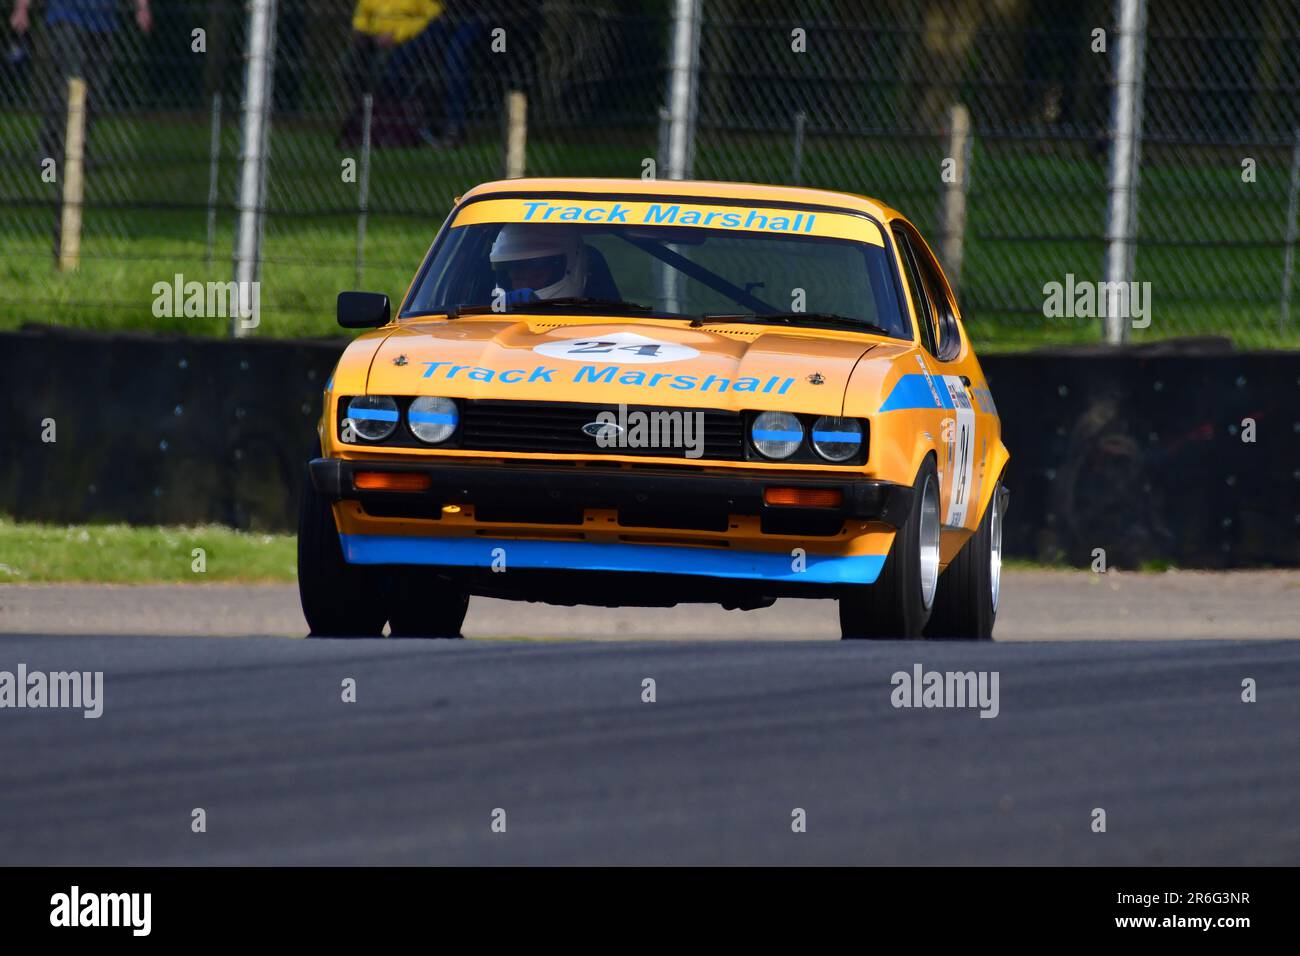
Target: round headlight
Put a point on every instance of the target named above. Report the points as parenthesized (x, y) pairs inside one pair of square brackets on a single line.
[(837, 439), (373, 417), (433, 420), (776, 434)]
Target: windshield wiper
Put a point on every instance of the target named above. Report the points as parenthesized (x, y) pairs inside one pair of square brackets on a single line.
[(579, 302), (451, 312), (569, 302), (825, 319)]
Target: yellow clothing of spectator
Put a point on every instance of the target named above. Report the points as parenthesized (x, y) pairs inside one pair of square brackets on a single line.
[(403, 19)]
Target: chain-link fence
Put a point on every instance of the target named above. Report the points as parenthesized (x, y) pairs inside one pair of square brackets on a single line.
[(382, 111)]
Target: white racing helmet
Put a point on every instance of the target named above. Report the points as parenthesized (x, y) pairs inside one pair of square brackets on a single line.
[(557, 247)]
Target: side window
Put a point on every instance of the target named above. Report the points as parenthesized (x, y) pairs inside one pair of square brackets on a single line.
[(915, 290), (945, 319)]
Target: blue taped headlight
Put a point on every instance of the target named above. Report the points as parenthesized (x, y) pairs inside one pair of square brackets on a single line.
[(837, 439), (372, 417), (432, 420), (776, 434)]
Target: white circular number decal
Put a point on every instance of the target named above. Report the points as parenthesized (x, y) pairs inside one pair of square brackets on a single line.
[(617, 348)]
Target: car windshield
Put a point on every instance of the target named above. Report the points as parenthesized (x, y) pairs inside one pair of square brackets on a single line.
[(666, 258)]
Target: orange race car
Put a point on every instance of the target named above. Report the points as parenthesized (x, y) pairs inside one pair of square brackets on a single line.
[(626, 392)]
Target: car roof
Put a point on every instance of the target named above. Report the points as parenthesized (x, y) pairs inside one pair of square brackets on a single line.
[(753, 192)]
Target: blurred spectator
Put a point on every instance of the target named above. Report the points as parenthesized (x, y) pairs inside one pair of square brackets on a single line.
[(79, 36), (398, 45), (79, 40), (378, 28), (441, 50)]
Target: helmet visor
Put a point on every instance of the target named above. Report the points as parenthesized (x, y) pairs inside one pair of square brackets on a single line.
[(537, 273)]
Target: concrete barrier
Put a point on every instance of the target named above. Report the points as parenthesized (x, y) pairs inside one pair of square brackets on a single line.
[(157, 429), (1146, 452)]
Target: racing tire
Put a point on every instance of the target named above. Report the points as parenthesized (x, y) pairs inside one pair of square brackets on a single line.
[(338, 599), (966, 605), (421, 604), (898, 604)]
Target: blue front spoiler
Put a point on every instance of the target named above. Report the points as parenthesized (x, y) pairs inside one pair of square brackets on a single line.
[(602, 556)]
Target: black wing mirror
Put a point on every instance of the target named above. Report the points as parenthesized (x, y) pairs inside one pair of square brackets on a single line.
[(363, 310)]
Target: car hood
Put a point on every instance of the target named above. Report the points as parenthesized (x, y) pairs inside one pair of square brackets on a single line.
[(548, 358)]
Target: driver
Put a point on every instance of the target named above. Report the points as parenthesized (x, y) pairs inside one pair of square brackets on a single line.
[(534, 262)]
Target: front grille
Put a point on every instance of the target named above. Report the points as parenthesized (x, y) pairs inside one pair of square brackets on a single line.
[(556, 428)]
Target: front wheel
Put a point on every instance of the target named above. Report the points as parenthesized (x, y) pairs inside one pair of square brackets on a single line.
[(966, 606), (898, 604), (338, 599)]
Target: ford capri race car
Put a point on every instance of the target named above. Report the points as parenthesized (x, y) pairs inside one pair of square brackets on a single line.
[(627, 392)]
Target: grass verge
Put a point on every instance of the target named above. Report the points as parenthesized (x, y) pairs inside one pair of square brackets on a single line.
[(120, 554)]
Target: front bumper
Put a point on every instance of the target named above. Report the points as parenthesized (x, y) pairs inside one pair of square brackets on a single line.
[(516, 489), (654, 521)]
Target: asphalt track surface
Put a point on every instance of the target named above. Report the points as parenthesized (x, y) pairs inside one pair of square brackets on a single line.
[(747, 726)]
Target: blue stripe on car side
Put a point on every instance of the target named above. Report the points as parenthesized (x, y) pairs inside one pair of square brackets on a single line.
[(609, 556), (913, 391)]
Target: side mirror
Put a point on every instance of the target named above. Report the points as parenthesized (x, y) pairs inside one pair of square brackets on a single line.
[(363, 310)]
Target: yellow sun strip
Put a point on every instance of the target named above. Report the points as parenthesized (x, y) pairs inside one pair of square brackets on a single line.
[(671, 212)]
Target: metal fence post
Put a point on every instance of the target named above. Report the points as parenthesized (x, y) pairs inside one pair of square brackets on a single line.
[(796, 168), (661, 147), (683, 88), (1288, 256), (679, 137), (363, 187), (252, 173), (952, 206), (1125, 150), (214, 171)]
